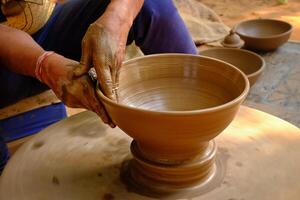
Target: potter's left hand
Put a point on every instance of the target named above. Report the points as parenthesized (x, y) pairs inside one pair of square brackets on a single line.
[(104, 43), (103, 48)]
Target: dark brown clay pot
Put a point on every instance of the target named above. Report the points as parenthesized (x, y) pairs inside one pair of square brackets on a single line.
[(173, 105), (248, 62), (264, 34)]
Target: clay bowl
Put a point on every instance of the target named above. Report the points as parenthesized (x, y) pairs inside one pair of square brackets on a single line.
[(264, 34), (173, 105), (248, 62)]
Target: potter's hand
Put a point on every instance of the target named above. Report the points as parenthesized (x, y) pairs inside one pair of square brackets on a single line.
[(103, 48), (75, 91)]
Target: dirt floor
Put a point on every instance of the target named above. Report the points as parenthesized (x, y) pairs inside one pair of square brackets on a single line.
[(234, 11)]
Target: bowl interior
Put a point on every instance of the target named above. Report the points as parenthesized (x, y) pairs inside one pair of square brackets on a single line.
[(178, 83), (263, 28), (248, 62)]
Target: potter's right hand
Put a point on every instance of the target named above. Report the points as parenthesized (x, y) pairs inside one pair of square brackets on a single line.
[(75, 91)]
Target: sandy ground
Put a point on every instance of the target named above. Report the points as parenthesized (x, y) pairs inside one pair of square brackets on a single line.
[(234, 11)]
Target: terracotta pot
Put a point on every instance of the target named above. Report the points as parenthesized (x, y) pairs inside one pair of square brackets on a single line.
[(264, 34), (248, 62), (173, 105)]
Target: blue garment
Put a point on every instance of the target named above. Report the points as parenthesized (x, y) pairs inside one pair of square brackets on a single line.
[(25, 124), (31, 122), (158, 28)]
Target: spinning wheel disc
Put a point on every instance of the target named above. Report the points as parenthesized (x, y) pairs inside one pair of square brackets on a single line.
[(80, 159)]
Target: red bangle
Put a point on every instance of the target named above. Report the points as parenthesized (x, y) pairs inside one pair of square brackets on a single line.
[(39, 64)]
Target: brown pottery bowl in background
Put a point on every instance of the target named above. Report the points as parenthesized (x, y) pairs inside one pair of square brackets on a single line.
[(248, 62), (173, 105), (264, 34)]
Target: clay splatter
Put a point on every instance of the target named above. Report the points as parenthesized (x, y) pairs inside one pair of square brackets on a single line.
[(38, 144), (55, 180)]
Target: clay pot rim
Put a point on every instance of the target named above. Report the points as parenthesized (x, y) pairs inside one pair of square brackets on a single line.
[(180, 113), (261, 69), (265, 37)]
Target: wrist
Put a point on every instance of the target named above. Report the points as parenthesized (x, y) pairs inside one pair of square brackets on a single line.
[(51, 69), (39, 68)]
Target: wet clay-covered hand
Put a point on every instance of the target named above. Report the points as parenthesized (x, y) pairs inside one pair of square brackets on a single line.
[(104, 51), (104, 43), (103, 48), (75, 91)]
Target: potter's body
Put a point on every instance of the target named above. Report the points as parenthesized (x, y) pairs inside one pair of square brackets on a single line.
[(153, 25)]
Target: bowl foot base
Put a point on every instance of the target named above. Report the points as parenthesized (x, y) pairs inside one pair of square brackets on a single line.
[(174, 181)]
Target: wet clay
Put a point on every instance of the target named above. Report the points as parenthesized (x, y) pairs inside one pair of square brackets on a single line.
[(248, 62), (173, 105), (264, 34)]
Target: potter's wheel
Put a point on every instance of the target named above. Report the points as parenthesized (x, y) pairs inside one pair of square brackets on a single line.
[(80, 159)]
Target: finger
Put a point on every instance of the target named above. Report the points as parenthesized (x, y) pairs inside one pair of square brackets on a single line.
[(102, 66), (96, 105), (86, 59), (117, 66), (102, 113), (83, 94), (115, 76)]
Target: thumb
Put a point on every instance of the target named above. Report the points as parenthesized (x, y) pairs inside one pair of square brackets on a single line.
[(85, 61)]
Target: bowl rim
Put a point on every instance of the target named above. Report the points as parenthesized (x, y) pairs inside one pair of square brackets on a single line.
[(261, 68), (243, 95), (263, 37)]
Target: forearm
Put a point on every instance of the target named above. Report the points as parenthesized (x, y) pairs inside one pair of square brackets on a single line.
[(125, 10), (18, 51), (130, 8)]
